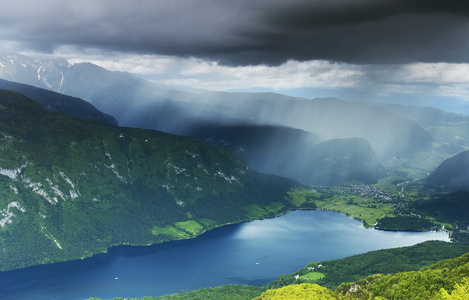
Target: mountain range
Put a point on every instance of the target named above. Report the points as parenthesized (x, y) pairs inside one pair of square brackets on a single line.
[(278, 150), (138, 103), (395, 132), (74, 183), (82, 184)]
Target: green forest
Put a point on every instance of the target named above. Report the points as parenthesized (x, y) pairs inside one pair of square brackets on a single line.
[(99, 186)]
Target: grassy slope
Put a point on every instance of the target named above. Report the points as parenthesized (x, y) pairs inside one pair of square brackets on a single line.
[(423, 284)]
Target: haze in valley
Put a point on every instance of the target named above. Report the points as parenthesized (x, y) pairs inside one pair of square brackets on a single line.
[(138, 122), (194, 68)]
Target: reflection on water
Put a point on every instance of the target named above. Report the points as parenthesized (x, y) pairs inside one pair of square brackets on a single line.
[(251, 253)]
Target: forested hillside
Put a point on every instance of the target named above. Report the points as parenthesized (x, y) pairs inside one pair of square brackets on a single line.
[(427, 283), (71, 187), (385, 261), (452, 174), (57, 102)]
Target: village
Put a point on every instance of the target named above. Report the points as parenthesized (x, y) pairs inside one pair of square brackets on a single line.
[(366, 191)]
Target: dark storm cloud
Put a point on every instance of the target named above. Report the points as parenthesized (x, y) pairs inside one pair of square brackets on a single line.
[(248, 32), (373, 31)]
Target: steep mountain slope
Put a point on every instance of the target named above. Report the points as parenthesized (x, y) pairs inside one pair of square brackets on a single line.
[(57, 102), (448, 195), (72, 187), (138, 103), (20, 68), (452, 173)]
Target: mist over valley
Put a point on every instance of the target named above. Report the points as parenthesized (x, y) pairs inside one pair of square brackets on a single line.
[(131, 131), (393, 131)]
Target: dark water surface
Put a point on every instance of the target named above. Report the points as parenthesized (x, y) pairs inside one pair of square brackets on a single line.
[(249, 253)]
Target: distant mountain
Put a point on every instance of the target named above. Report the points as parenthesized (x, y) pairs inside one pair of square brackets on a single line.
[(447, 104), (389, 134), (20, 68), (449, 130), (70, 187), (337, 161), (115, 93), (138, 103), (453, 173), (57, 102), (295, 153)]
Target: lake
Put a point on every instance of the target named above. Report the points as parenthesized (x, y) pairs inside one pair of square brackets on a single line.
[(252, 253)]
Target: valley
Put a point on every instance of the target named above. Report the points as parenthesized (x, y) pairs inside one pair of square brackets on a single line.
[(234, 150), (160, 165)]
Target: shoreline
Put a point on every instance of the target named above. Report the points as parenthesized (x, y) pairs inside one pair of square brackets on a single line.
[(124, 244)]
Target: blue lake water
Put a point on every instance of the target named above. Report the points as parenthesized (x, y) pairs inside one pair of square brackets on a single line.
[(250, 253)]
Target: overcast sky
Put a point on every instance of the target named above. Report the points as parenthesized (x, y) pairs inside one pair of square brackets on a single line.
[(420, 47)]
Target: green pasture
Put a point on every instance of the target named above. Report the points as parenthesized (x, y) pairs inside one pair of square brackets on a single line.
[(312, 276)]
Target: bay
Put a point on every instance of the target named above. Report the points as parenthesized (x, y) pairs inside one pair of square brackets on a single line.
[(252, 253)]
